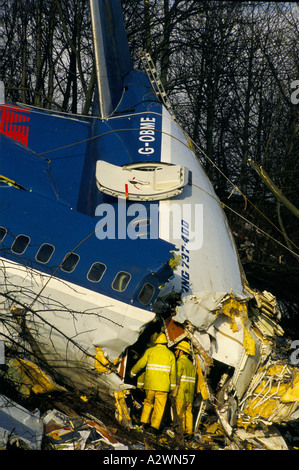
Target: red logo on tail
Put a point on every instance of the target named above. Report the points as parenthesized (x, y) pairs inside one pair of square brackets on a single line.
[(15, 123)]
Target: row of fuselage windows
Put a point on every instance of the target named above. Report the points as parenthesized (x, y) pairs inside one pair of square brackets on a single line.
[(70, 261)]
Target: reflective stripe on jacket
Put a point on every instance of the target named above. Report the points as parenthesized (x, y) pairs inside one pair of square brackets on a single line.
[(160, 369), (186, 378)]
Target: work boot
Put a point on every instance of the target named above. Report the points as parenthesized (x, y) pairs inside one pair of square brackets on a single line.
[(144, 426), (153, 431)]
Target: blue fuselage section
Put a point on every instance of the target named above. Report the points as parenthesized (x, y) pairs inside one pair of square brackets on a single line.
[(48, 193)]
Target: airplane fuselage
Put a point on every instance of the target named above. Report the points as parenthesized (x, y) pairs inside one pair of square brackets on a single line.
[(93, 264)]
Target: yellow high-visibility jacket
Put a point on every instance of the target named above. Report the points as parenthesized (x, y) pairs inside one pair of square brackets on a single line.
[(160, 369), (186, 378)]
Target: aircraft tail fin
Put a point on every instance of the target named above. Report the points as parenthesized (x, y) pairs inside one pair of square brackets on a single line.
[(112, 55)]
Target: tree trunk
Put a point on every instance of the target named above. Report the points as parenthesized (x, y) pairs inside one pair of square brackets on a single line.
[(38, 86), (24, 50)]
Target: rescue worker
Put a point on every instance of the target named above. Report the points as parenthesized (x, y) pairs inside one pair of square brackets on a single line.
[(185, 389), (159, 379), (150, 344)]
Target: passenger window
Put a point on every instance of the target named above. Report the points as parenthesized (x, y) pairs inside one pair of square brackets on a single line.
[(146, 293), (70, 262), (96, 272), (44, 253), (20, 244), (3, 232), (121, 281)]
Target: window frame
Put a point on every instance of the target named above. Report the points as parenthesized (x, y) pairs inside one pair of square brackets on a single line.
[(15, 240), (65, 258), (96, 262), (118, 274), (45, 262), (154, 290), (2, 238)]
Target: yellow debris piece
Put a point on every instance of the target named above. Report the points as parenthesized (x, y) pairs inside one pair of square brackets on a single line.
[(233, 308), (292, 393), (175, 261), (101, 363), (249, 343), (201, 383), (213, 428), (122, 414), (28, 377), (276, 396), (84, 398)]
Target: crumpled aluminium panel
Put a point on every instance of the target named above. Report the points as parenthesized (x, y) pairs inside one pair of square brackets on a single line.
[(17, 421)]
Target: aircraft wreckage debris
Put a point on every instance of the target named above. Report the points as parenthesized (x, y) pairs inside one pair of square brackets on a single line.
[(37, 413), (63, 420)]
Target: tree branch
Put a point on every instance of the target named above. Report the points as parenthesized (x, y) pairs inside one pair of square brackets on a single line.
[(274, 189)]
